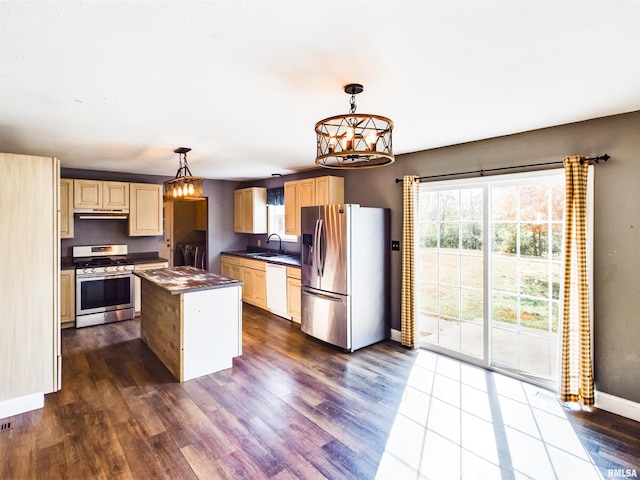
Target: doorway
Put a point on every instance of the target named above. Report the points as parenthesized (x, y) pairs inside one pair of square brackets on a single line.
[(490, 270)]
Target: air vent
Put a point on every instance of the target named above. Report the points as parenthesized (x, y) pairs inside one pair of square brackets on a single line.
[(551, 397), (6, 426)]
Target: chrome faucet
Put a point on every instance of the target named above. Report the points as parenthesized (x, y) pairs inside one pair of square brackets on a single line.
[(280, 239)]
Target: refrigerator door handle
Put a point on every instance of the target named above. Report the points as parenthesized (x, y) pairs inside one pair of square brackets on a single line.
[(317, 254), (323, 296), (321, 249)]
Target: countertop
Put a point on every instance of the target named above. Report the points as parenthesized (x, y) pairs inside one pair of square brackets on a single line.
[(179, 280), (289, 260)]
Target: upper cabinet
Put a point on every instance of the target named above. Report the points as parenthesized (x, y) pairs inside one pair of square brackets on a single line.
[(66, 208), (145, 215), (250, 210), (325, 190), (97, 194), (201, 215)]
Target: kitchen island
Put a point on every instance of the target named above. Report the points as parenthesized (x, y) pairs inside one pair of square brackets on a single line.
[(191, 319)]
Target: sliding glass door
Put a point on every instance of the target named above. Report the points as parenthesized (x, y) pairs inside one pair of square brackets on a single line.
[(489, 253)]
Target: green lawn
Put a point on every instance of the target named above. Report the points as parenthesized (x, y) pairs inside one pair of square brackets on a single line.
[(461, 296)]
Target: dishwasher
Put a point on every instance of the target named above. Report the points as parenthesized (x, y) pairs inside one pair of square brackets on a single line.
[(277, 289)]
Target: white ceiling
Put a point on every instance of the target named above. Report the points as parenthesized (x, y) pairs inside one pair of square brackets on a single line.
[(118, 86)]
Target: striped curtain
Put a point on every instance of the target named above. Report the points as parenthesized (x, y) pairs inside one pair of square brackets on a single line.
[(576, 372), (410, 189)]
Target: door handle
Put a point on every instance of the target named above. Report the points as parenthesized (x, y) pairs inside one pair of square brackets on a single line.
[(323, 296)]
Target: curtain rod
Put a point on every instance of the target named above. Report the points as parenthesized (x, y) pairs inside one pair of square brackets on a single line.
[(591, 161)]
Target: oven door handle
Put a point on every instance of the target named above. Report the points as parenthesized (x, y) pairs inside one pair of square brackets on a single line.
[(99, 276)]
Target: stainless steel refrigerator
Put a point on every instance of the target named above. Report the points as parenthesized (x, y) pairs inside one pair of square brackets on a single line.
[(345, 274)]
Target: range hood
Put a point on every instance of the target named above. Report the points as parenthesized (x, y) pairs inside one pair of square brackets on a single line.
[(101, 214)]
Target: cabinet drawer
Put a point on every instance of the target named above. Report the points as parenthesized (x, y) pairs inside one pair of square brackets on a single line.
[(293, 272), (255, 264), (229, 260)]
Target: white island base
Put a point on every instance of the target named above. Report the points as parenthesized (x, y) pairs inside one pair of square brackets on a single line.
[(193, 333)]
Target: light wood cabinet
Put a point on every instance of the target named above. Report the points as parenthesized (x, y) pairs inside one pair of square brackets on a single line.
[(145, 215), (291, 210), (250, 210), (252, 273), (30, 360), (66, 208), (294, 294), (329, 190), (201, 215), (325, 190), (98, 194), (67, 298), (136, 283)]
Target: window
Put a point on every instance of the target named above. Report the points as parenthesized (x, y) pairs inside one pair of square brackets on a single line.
[(490, 270), (275, 223)]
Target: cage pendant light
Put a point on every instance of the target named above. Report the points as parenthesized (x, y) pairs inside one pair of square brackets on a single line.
[(355, 140), (184, 186)]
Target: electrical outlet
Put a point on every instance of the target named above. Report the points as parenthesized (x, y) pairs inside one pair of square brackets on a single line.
[(395, 244)]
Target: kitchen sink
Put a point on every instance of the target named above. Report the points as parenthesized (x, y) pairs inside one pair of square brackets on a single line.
[(270, 256)]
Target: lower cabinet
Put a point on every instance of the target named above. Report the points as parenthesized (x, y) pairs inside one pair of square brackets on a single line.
[(136, 283), (252, 273), (67, 298), (294, 294)]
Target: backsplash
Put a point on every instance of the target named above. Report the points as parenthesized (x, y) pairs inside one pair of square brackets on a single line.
[(107, 232)]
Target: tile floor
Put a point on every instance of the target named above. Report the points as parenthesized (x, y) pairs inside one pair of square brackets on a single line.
[(461, 421)]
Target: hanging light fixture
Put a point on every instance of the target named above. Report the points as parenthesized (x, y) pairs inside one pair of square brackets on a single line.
[(184, 186), (355, 140)]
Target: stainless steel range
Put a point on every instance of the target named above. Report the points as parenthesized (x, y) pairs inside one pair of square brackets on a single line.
[(104, 284)]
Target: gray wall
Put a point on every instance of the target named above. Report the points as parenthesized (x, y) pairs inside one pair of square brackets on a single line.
[(616, 222)]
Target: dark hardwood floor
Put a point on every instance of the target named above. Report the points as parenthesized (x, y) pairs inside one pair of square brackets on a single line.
[(292, 407)]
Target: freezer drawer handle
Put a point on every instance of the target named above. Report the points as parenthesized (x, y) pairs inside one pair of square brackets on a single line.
[(323, 296)]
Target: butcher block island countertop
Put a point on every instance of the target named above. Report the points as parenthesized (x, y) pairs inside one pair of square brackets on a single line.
[(191, 319)]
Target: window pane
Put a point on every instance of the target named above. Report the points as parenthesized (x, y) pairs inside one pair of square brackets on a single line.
[(504, 273), (472, 270), (428, 235), (504, 347), (504, 311), (557, 236), (429, 265), (557, 202), (471, 236), (505, 238), (471, 204), (450, 235), (533, 203), (503, 203), (534, 314), (534, 278), (534, 239), (449, 302), (428, 206), (449, 205), (449, 268), (472, 305), (556, 271), (429, 298)]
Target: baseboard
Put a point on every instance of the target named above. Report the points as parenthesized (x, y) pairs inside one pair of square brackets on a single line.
[(16, 406), (617, 405), (396, 335)]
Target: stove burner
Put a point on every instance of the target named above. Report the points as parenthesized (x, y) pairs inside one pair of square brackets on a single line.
[(101, 262)]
